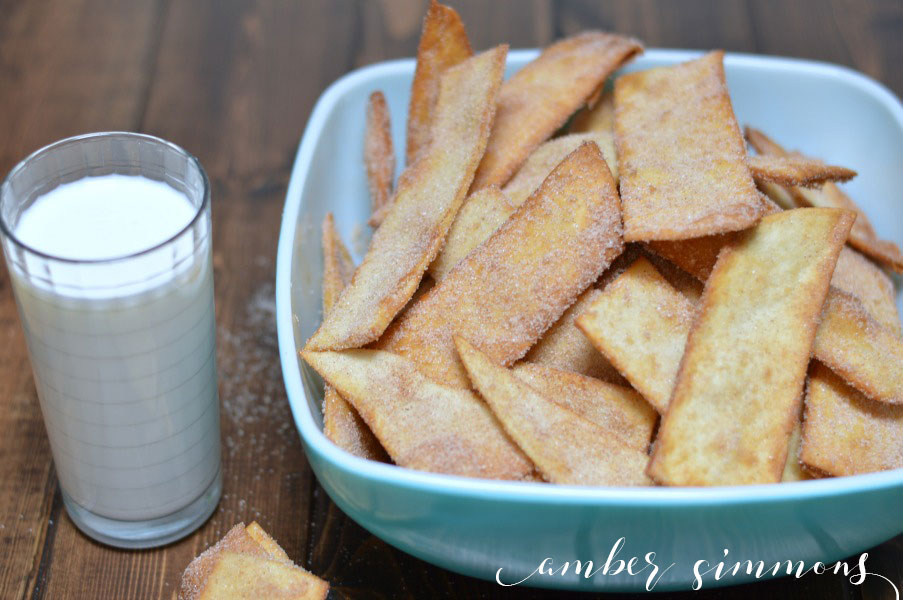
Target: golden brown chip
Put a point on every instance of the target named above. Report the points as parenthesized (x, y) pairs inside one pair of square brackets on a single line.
[(266, 541), (615, 408), (423, 425), (565, 347), (696, 256), (845, 433), (429, 194), (241, 577), (741, 377), (379, 155), (860, 277), (793, 469), (640, 324), (566, 448), (341, 423), (683, 282), (863, 236), (483, 212), (855, 346), (601, 117), (680, 153), (539, 98), (443, 44), (546, 157), (795, 170), (516, 284)]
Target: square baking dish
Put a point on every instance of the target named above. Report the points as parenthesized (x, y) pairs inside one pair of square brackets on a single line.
[(477, 527)]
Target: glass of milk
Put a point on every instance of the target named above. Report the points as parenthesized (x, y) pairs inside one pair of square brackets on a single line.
[(107, 239)]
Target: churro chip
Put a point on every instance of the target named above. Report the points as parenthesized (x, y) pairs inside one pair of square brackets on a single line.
[(341, 423), (273, 549), (516, 284), (640, 323), (443, 44), (855, 346), (600, 117), (546, 157), (566, 448), (379, 155), (681, 157), (683, 282), (486, 209), (845, 433), (741, 377), (615, 408), (429, 194), (793, 469), (795, 170), (240, 577), (539, 98), (423, 425), (860, 277), (483, 212), (565, 347), (696, 256), (863, 236)]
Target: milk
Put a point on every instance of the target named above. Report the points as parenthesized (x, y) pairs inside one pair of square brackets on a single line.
[(123, 350)]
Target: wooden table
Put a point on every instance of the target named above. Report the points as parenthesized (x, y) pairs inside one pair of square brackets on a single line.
[(233, 82)]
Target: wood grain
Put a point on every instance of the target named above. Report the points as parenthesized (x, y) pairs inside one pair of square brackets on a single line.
[(233, 81)]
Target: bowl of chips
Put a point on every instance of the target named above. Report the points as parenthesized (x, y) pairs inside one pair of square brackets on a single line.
[(567, 476)]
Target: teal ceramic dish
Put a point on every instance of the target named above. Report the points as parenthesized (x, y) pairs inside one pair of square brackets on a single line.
[(478, 527)]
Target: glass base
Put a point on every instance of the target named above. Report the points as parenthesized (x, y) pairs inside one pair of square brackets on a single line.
[(146, 534)]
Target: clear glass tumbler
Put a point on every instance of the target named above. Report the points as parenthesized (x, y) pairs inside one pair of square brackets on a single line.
[(123, 350)]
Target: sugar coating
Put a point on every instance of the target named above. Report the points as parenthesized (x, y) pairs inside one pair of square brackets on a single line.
[(379, 154), (681, 156)]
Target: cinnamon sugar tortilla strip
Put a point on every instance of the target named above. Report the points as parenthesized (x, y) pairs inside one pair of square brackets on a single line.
[(690, 287), (615, 408), (266, 541), (565, 347), (680, 154), (516, 284), (539, 98), (423, 425), (483, 212), (793, 469), (566, 448), (860, 277), (640, 323), (443, 44), (855, 346), (845, 433), (341, 423), (379, 155), (429, 194), (863, 236), (600, 117), (239, 576), (486, 209), (795, 170), (741, 377)]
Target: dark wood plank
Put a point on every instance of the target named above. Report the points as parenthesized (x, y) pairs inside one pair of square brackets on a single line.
[(58, 77)]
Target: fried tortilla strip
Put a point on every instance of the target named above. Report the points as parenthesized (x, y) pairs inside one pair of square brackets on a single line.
[(483, 212), (266, 541), (855, 346), (844, 432), (696, 256), (615, 408), (565, 347), (539, 98), (741, 377), (566, 448), (429, 194), (640, 323), (379, 155), (793, 469), (443, 44), (341, 423), (860, 277), (516, 284), (863, 236), (600, 117), (240, 576), (683, 282), (680, 154), (795, 170), (423, 425)]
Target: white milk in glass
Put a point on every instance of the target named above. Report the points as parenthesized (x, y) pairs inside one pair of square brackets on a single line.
[(122, 343)]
